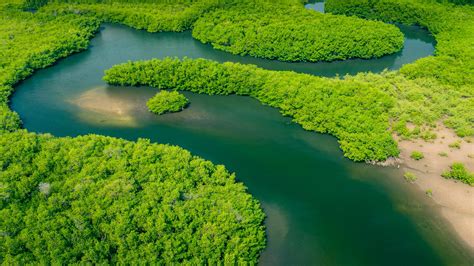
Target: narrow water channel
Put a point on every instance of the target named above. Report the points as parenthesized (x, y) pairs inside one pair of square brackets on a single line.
[(322, 208)]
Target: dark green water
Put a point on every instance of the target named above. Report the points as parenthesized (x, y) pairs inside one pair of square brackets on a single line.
[(322, 208)]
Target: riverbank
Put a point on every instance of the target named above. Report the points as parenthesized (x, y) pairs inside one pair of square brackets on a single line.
[(455, 199)]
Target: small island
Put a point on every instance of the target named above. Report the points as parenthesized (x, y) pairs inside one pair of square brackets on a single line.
[(167, 102)]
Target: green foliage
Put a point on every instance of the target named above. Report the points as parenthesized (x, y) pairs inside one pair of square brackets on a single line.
[(458, 2), (32, 41), (410, 177), (34, 4), (429, 193), (353, 111), (167, 102), (455, 145), (444, 84), (9, 120), (281, 30), (451, 25), (459, 172), (157, 203), (420, 104), (153, 16), (101, 200), (150, 15), (292, 33), (417, 155)]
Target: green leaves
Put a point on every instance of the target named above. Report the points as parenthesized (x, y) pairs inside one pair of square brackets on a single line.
[(442, 87), (167, 102), (101, 200), (32, 41), (9, 120), (417, 155), (459, 172), (292, 33), (153, 16)]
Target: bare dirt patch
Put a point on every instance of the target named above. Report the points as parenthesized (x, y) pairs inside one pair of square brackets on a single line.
[(455, 199)]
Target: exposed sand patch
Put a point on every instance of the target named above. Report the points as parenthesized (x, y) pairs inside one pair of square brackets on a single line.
[(104, 120), (455, 199), (100, 107)]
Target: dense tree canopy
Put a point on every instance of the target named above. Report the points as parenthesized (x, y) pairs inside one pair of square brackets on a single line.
[(292, 33), (153, 16), (282, 30), (101, 200), (167, 102), (445, 82), (451, 25), (32, 41)]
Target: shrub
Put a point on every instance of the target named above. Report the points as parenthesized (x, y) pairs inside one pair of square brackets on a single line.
[(429, 193), (410, 177), (102, 200), (455, 145), (459, 172), (417, 155)]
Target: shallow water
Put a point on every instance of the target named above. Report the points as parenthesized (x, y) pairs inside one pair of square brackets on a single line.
[(317, 5), (321, 207)]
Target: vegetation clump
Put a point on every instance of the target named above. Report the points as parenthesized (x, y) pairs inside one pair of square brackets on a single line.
[(459, 172), (102, 200), (455, 145), (417, 155), (292, 33), (429, 193), (410, 177), (167, 102), (281, 30)]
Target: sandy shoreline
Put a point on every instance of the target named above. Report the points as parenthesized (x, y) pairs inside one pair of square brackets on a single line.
[(455, 199)]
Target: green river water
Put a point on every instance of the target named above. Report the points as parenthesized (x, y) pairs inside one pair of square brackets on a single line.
[(322, 208)]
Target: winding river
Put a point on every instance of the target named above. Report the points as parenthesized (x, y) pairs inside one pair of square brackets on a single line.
[(322, 208)]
